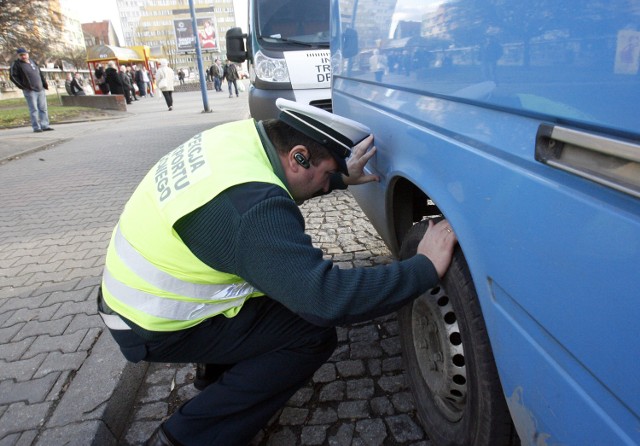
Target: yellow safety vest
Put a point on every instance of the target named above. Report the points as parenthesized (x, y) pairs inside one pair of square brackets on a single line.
[(151, 277)]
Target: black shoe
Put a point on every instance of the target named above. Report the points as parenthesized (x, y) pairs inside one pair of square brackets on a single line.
[(37, 131), (160, 438), (48, 129)]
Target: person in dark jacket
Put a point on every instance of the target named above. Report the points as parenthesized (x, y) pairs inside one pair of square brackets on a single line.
[(127, 85), (139, 80), (101, 79), (132, 83), (77, 85), (114, 81), (210, 263), (27, 76)]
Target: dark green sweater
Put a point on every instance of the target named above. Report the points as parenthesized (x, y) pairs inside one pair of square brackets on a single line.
[(256, 231)]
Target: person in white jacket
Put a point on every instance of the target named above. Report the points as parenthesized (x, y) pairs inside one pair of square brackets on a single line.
[(165, 78)]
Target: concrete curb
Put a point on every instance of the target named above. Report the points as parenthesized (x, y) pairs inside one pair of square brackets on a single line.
[(93, 412)]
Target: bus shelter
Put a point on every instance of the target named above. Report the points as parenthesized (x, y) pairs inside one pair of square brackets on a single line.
[(137, 55)]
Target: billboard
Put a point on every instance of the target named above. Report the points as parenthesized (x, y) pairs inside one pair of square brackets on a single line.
[(207, 33)]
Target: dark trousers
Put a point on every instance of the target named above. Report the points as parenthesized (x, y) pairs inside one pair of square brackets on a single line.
[(271, 353), (168, 97)]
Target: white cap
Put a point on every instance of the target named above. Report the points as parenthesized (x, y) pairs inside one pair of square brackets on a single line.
[(336, 133)]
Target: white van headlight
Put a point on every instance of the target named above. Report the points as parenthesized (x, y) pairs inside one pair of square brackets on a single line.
[(271, 70)]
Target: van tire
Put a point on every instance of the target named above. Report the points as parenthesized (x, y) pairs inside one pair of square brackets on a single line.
[(449, 360)]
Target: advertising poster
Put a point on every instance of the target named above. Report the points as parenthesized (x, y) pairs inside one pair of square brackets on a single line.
[(208, 34), (185, 40)]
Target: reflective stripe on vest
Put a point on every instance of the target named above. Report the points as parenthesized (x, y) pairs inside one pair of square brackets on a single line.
[(225, 296)]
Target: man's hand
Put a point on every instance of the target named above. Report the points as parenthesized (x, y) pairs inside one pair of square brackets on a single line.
[(360, 155), (437, 244)]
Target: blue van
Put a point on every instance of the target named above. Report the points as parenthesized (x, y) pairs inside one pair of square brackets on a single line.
[(519, 122)]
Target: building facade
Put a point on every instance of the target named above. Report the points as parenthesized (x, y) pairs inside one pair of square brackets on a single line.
[(100, 33), (158, 24)]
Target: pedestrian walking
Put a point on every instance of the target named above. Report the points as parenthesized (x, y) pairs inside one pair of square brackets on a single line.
[(165, 78), (26, 75), (210, 263), (217, 72), (231, 72)]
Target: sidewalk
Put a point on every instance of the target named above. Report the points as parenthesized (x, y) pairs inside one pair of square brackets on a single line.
[(20, 141), (63, 381)]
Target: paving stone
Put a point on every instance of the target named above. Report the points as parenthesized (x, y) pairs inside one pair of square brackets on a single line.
[(44, 313), (282, 437), (301, 397), (15, 350), (313, 435), (368, 333), (326, 373), (403, 428), (323, 415), (350, 368), (34, 328), (353, 409), (77, 434), (403, 402), (391, 346), (156, 393), (364, 350), (155, 411), (293, 416), (333, 391), (392, 384), (360, 389), (56, 362), (392, 364), (32, 391), (382, 406), (23, 417), (344, 435), (372, 432), (139, 432), (64, 343), (22, 370)]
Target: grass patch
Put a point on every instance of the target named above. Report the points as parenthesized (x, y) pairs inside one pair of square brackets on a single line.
[(15, 113)]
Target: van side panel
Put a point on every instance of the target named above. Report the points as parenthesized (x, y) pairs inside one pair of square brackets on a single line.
[(457, 111)]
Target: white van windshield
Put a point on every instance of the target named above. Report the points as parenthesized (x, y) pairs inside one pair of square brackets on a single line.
[(303, 22)]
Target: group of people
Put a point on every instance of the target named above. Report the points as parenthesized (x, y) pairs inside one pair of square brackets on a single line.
[(129, 80), (218, 73), (75, 85), (124, 80)]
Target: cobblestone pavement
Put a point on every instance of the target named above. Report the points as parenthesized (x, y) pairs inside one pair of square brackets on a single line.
[(359, 397)]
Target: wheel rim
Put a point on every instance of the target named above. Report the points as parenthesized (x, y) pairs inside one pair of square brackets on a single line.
[(439, 352)]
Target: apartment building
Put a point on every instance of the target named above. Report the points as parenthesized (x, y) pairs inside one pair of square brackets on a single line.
[(159, 24)]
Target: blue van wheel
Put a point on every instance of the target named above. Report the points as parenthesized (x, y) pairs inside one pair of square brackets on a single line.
[(449, 360)]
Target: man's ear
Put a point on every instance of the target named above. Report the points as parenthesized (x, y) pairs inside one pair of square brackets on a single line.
[(299, 157)]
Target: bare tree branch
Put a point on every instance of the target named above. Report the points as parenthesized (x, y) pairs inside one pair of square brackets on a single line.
[(27, 24)]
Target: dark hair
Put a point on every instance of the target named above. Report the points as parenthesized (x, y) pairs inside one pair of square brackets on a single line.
[(285, 137)]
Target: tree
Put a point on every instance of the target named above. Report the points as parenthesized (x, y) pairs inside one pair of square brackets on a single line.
[(26, 24)]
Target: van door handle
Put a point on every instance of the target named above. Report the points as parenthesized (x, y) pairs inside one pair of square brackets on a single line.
[(614, 163)]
